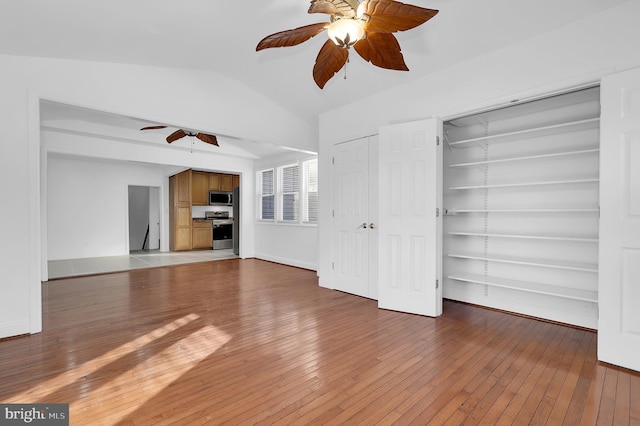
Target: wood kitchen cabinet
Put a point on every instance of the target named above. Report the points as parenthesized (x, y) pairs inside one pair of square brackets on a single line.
[(201, 234), (187, 189), (199, 188), (221, 182), (227, 183), (214, 181), (182, 187), (203, 182), (180, 211)]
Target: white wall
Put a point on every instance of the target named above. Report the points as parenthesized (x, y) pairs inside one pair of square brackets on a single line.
[(88, 210), (290, 244), (192, 99), (580, 52), (293, 245)]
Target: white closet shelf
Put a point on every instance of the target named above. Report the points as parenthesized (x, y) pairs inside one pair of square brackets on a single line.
[(521, 134), (451, 212), (516, 185), (532, 237), (527, 157), (544, 263), (532, 287)]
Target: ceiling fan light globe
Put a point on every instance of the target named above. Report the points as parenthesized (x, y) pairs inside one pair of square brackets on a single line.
[(345, 32)]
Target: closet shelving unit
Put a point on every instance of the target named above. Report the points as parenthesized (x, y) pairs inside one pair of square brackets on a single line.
[(526, 286), (521, 208), (538, 130), (511, 211), (537, 183)]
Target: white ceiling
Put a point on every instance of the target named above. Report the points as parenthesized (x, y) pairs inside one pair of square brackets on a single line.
[(222, 36), (62, 118)]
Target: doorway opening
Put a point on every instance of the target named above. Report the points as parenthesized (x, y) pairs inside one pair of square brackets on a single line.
[(144, 218)]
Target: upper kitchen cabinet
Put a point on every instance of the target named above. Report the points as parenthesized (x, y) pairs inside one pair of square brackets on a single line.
[(220, 182), (182, 186), (200, 188), (203, 182)]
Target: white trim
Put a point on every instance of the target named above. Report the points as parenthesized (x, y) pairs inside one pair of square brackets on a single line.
[(37, 250), (558, 88), (287, 261)]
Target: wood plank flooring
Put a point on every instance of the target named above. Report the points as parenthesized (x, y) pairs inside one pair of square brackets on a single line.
[(252, 342)]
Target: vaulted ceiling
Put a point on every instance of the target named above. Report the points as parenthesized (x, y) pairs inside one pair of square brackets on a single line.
[(222, 36)]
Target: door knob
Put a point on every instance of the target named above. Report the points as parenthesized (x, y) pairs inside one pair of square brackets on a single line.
[(372, 226), (364, 225)]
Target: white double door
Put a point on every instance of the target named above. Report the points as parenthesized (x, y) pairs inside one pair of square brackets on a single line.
[(355, 219), (386, 232)]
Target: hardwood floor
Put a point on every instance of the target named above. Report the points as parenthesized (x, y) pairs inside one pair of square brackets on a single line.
[(251, 342)]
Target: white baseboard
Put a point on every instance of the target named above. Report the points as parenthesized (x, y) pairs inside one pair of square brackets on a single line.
[(286, 261)]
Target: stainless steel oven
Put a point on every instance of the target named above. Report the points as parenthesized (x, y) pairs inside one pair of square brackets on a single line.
[(222, 229)]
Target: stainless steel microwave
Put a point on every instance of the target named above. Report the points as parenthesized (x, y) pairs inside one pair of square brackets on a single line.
[(217, 198)]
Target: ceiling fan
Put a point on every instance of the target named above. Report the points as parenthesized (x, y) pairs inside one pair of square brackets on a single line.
[(204, 137), (367, 26)]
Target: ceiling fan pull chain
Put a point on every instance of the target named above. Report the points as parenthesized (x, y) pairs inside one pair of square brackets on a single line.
[(345, 65)]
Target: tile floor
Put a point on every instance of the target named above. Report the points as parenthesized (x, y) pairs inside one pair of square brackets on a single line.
[(136, 260)]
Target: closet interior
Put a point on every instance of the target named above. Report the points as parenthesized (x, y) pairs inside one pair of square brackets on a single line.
[(521, 207)]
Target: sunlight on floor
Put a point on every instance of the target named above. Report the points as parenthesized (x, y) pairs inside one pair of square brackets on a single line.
[(182, 355)]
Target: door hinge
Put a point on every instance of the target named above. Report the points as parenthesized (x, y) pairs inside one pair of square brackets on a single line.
[(333, 213), (333, 160), (437, 284), (333, 265), (437, 140), (437, 212)]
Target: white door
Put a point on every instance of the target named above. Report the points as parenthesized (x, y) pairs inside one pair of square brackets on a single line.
[(410, 219), (619, 259), (373, 216), (353, 238)]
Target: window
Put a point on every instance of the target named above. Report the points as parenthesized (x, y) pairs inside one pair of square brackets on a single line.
[(310, 191), (267, 195), (289, 192)]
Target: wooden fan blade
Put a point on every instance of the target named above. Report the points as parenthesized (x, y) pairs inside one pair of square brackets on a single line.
[(345, 8), (291, 37), (329, 61), (389, 16), (211, 139), (153, 127), (176, 135), (382, 50)]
